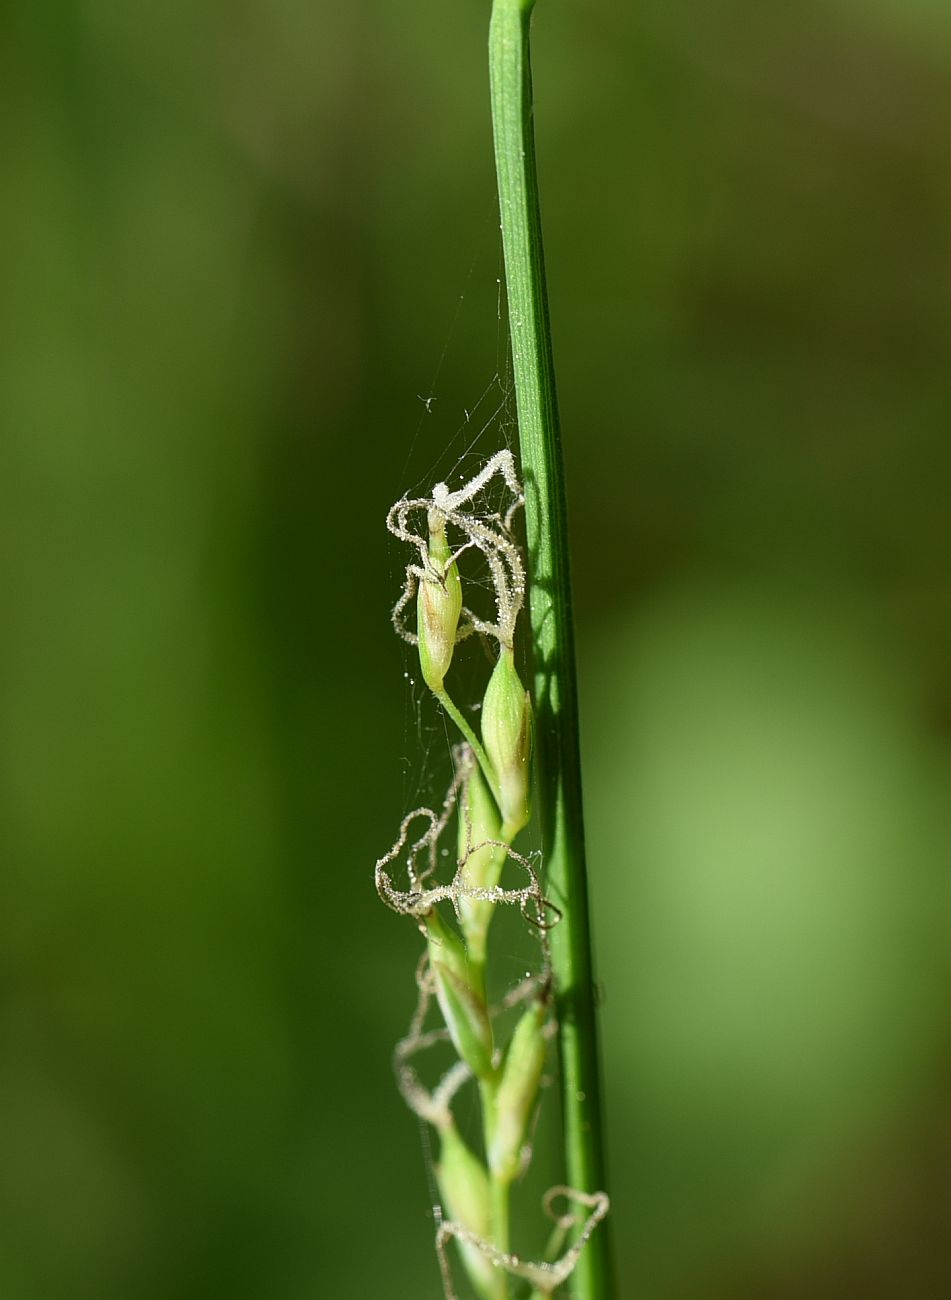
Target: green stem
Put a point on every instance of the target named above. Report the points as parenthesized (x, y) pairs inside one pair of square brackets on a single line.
[(557, 752), (500, 1213), (498, 1188), (472, 740)]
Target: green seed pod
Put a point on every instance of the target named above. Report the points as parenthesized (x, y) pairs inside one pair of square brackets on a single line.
[(462, 1005), (464, 1188), (521, 1076), (466, 1019), (445, 946), (507, 737), (478, 822), (438, 607)]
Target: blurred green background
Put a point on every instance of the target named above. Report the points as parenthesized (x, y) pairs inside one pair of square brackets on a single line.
[(238, 241)]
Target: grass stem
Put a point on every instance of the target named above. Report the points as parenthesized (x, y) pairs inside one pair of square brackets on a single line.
[(471, 739), (558, 762), (498, 1188)]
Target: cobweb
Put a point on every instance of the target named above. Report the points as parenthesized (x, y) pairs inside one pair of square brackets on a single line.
[(460, 427)]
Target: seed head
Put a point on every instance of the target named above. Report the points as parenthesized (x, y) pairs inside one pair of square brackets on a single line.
[(481, 861), (460, 998), (507, 737), (521, 1076), (438, 606), (464, 1188)]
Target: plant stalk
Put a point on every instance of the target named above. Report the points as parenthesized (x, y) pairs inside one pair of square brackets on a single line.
[(555, 690), (471, 739), (498, 1188)]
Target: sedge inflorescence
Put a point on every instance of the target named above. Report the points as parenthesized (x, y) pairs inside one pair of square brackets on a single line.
[(485, 808)]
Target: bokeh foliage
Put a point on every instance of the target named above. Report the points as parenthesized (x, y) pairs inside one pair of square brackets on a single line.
[(233, 243)]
